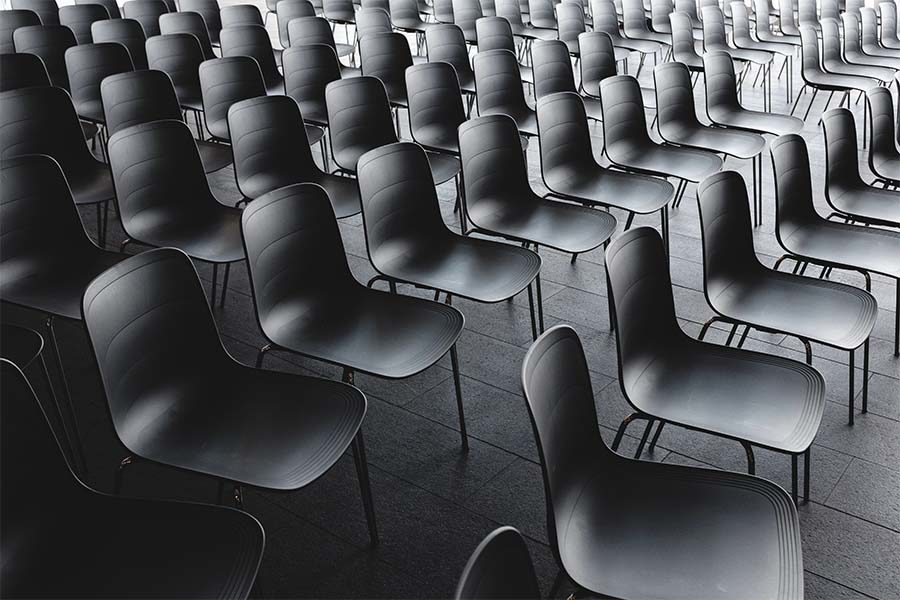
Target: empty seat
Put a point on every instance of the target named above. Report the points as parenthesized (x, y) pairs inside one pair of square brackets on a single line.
[(308, 69), (191, 23), (224, 81), (209, 10), (111, 6), (870, 45), (10, 20), (286, 11), (498, 86), (890, 36), (240, 14), (316, 30), (147, 13), (386, 57), (853, 52), (884, 149), (49, 42), (447, 43), (179, 55), (80, 17), (553, 69), (253, 41), (127, 32), (833, 56), (87, 65)]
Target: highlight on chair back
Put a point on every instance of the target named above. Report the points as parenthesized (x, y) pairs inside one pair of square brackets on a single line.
[(224, 81), (127, 32), (884, 140), (80, 17), (499, 568)]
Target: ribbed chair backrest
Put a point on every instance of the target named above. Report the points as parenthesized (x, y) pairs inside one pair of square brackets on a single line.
[(224, 81), (807, 13), (20, 70), (308, 69), (511, 11), (386, 56), (634, 20), (494, 33), (10, 20), (689, 7), (498, 83), (178, 55), (403, 10), (570, 20), (714, 37), (209, 10), (888, 12), (147, 13), (465, 14), (721, 86), (883, 140), (87, 66), (763, 23), (443, 11), (340, 11), (111, 6), (310, 30), (565, 138), (675, 106), (831, 41), (787, 15), (49, 42), (138, 97), (809, 49), (493, 162), (624, 122), (371, 21), (46, 10), (191, 23), (286, 11), (598, 60), (740, 25), (793, 185), (852, 42), (79, 17), (500, 567), (552, 68), (659, 15), (829, 9), (603, 13), (252, 41), (541, 14), (447, 43), (683, 49), (359, 119), (488, 8), (127, 32), (841, 152), (435, 104), (240, 14)]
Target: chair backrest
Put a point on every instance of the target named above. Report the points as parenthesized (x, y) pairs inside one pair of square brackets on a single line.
[(552, 67), (689, 7), (494, 33), (268, 139), (42, 120), (793, 184), (624, 122), (465, 14), (294, 249), (659, 15), (252, 41), (111, 6), (404, 11), (763, 10), (359, 119), (209, 10), (447, 43), (443, 11), (511, 11), (714, 37), (541, 13), (127, 32), (560, 400), (386, 56), (46, 10), (726, 231), (435, 104), (605, 19), (598, 60), (721, 86), (570, 23), (371, 21), (21, 70), (50, 43), (634, 20), (883, 130), (158, 175), (399, 200), (79, 17), (740, 24), (565, 138), (147, 13), (138, 97), (178, 55), (88, 64), (493, 161), (10, 20), (809, 48), (149, 325), (488, 8), (384, 5), (224, 81), (851, 33), (240, 14), (310, 30), (852, 7), (498, 83), (499, 568), (36, 203), (787, 18), (888, 12), (841, 152), (683, 49), (341, 11), (308, 69), (286, 10), (674, 97), (191, 23), (831, 41), (829, 9), (807, 13)]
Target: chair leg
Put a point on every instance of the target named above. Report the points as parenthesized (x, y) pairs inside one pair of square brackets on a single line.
[(625, 423), (706, 326), (120, 472), (897, 321), (806, 462), (655, 439), (534, 332), (212, 291), (852, 399), (454, 361), (643, 442), (540, 302), (362, 473), (794, 478), (225, 285), (262, 355), (73, 419), (751, 460), (59, 411)]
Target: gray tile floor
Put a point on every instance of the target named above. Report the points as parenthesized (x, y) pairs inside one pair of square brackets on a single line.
[(434, 503)]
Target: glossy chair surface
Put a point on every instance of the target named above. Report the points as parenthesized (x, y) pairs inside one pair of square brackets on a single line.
[(87, 65), (500, 567), (111, 6), (22, 70), (854, 54), (50, 43), (499, 90), (240, 14), (46, 10), (147, 13), (870, 44), (598, 61), (435, 106), (178, 55), (570, 17), (683, 48), (890, 36), (224, 81), (80, 17), (286, 10), (253, 41), (814, 74), (127, 32), (634, 24), (191, 23), (10, 20), (465, 14), (386, 57), (308, 69), (209, 10), (833, 56), (405, 16), (884, 143), (447, 43)]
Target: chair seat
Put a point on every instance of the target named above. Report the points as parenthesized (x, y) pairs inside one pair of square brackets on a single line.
[(533, 33), (443, 167), (189, 97), (892, 43), (347, 72), (642, 45), (874, 250), (275, 87), (831, 81), (766, 400), (871, 204), (653, 37), (887, 167), (348, 327), (229, 432), (55, 286), (412, 25), (733, 142), (857, 58), (684, 163), (91, 183), (313, 133), (466, 267), (214, 156), (873, 50), (566, 227), (593, 183), (757, 57), (435, 136), (771, 38), (90, 110), (525, 120), (213, 236), (859, 70), (831, 313), (145, 547), (342, 191), (771, 47), (19, 345), (466, 81), (633, 528), (754, 120)]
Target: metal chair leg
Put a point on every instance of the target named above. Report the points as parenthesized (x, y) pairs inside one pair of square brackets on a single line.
[(640, 448), (362, 473), (262, 355), (865, 383), (794, 478), (806, 462), (852, 399), (623, 426), (534, 332), (225, 285), (655, 439), (454, 361), (73, 419), (751, 460)]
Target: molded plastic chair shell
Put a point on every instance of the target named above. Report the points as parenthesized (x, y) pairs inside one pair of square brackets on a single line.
[(22, 70), (224, 81), (10, 20), (884, 143), (80, 17), (240, 14), (49, 42), (46, 10), (147, 13), (87, 65), (308, 69), (435, 106), (500, 567), (209, 10), (499, 90), (178, 55), (253, 41), (447, 43), (287, 10), (127, 32), (191, 23), (386, 56), (111, 6)]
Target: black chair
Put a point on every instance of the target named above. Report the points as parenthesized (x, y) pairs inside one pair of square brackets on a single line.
[(267, 136), (723, 107), (42, 120), (498, 89), (179, 55), (10, 20), (807, 238), (359, 119), (678, 125), (386, 57), (46, 10), (49, 42), (155, 341), (338, 320), (87, 65), (286, 11), (137, 547), (853, 52), (598, 61), (541, 14), (683, 48), (234, 15), (890, 36), (570, 18), (870, 44), (553, 70), (446, 43), (495, 33), (833, 56), (443, 11), (401, 209), (846, 192), (465, 14), (317, 30), (146, 96), (634, 26), (191, 23), (884, 149), (164, 198), (606, 20), (209, 10), (743, 40), (80, 17), (371, 21), (406, 17), (499, 199), (512, 12), (127, 32), (22, 70), (224, 81), (815, 77), (500, 567), (742, 291), (111, 6), (308, 69), (253, 41), (786, 34), (147, 13), (619, 527), (569, 170), (46, 258), (629, 146)]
